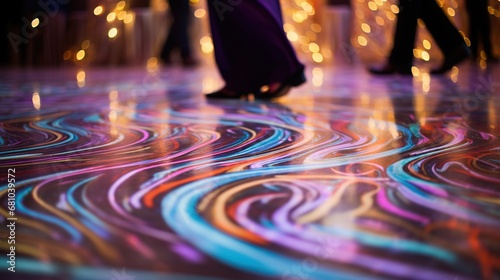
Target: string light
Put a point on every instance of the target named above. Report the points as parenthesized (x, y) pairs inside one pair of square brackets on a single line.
[(112, 32), (98, 10), (128, 18), (120, 5), (365, 27), (373, 21), (362, 41), (121, 15), (292, 36), (35, 22), (111, 17), (200, 13), (36, 100), (80, 78), (80, 54), (85, 44), (67, 55), (427, 44)]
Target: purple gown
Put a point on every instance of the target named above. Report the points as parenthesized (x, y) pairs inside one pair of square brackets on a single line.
[(251, 48)]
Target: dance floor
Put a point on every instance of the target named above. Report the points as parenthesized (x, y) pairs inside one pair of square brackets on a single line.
[(129, 174)]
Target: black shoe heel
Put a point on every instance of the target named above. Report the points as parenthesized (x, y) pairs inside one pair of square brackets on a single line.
[(295, 80), (226, 94)]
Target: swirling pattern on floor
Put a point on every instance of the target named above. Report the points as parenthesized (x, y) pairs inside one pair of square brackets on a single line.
[(242, 190)]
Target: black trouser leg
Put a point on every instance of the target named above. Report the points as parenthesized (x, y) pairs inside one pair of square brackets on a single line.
[(178, 36), (406, 28), (441, 28)]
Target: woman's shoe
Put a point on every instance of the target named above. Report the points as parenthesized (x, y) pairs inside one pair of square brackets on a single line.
[(281, 89), (226, 94), (457, 56)]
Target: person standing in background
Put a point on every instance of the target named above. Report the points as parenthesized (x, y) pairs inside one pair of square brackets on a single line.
[(251, 49), (442, 30), (479, 27), (178, 34)]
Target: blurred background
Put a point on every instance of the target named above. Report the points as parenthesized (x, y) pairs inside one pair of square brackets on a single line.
[(54, 33)]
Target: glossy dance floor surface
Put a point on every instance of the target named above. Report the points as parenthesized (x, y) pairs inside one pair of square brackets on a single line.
[(134, 175)]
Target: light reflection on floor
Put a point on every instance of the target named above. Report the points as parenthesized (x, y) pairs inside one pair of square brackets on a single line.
[(125, 173)]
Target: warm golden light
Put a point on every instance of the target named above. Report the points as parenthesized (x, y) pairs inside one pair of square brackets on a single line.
[(152, 64), (362, 41), (67, 55), (454, 74), (317, 57), (365, 27), (427, 44), (98, 10), (205, 40), (113, 32), (128, 18), (425, 56), (379, 20), (308, 8), (372, 6), (85, 44), (467, 41), (421, 23), (299, 16), (483, 55), (317, 78), (304, 40), (112, 116), (80, 55), (120, 5), (36, 100), (395, 9), (313, 47), (209, 48), (206, 44), (316, 27), (305, 48), (451, 12), (491, 10), (121, 15), (483, 64), (415, 71), (417, 53), (426, 82), (288, 27), (199, 13), (111, 17), (80, 78), (390, 15), (292, 36), (208, 84), (35, 22)]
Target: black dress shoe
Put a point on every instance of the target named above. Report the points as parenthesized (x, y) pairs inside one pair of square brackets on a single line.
[(455, 57), (390, 69), (226, 94), (283, 88)]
